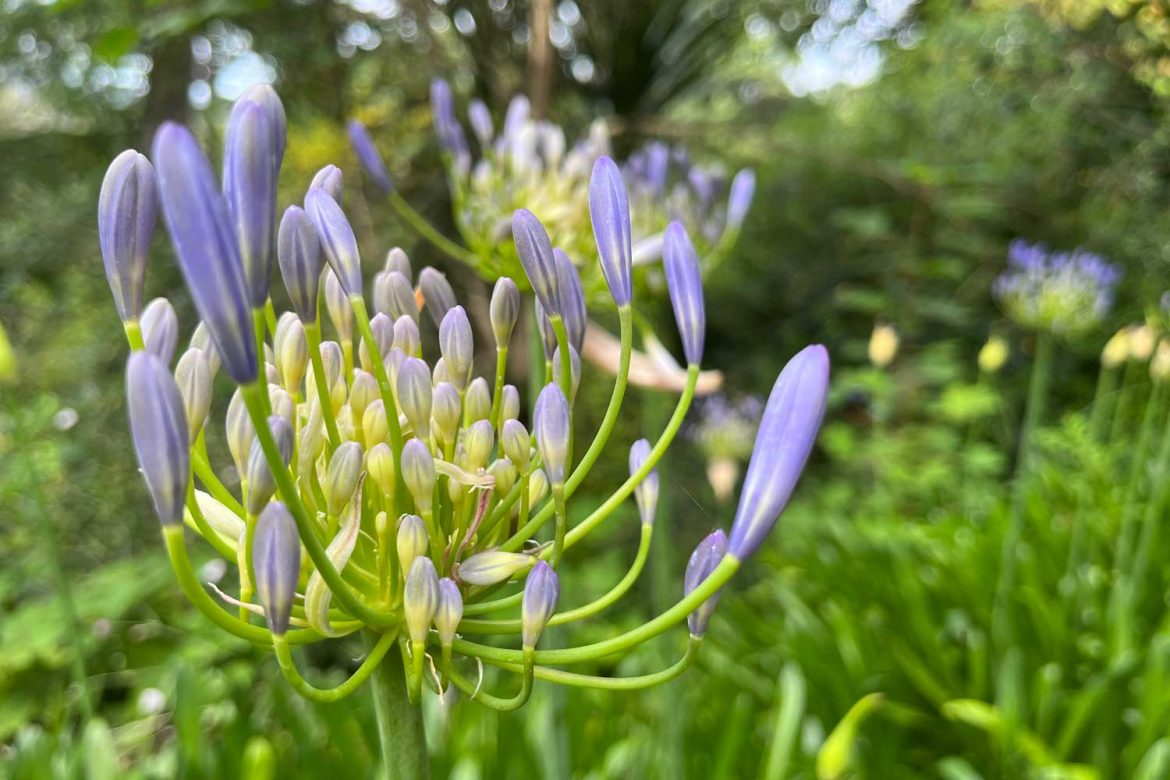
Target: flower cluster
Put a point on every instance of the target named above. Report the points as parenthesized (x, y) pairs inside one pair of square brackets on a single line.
[(1065, 293), (380, 490), (528, 164)]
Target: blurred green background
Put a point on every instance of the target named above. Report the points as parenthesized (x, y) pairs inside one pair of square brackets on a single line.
[(899, 147)]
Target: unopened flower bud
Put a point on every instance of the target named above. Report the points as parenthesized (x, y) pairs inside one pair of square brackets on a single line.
[(393, 296), (160, 329), (541, 591), (537, 487), (281, 403), (515, 443), (406, 336), (193, 376), (375, 425), (504, 310), (883, 345), (414, 395), (492, 567), (341, 478), (702, 562), (261, 481), (788, 430), (127, 208), (548, 335), (445, 412), (420, 598), (575, 368), (1160, 365), (480, 119), (457, 345), (572, 299), (439, 373), (551, 426), (739, 199), (993, 355), (510, 403), (396, 260), (292, 351), (505, 475), (334, 365), (418, 472), (1116, 349), (331, 180), (382, 330), (609, 211), (380, 466), (450, 611), (411, 541), (363, 391), (646, 493), (298, 252), (536, 256), (338, 306), (368, 156), (477, 442), (160, 434), (239, 431), (685, 283), (437, 294), (201, 339), (276, 555), (478, 400), (1141, 343)]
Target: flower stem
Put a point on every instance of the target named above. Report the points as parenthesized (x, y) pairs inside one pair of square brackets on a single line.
[(430, 233), (313, 339), (400, 724)]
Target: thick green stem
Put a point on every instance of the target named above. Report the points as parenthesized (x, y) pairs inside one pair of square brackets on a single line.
[(400, 724)]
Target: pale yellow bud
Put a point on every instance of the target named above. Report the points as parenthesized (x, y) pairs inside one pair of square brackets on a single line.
[(993, 355), (1141, 343), (883, 345), (1116, 350), (1160, 365)]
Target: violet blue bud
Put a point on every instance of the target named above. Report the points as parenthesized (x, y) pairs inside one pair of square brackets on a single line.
[(450, 611), (198, 222), (393, 295), (457, 345), (251, 165), (743, 188), (261, 482), (193, 377), (420, 598), (536, 255), (368, 156), (276, 555), (551, 426), (411, 542), (414, 395), (160, 329), (396, 260), (788, 430), (385, 333), (337, 240), (686, 290), (548, 336), (341, 478), (478, 400), (510, 403), (572, 299), (492, 566), (609, 210), (331, 180), (537, 487), (127, 207), (646, 493), (158, 428), (703, 561), (541, 591), (504, 310), (436, 292), (298, 250), (480, 119), (418, 472)]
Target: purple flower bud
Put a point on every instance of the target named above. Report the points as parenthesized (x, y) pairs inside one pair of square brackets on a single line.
[(787, 432), (341, 478), (406, 335), (504, 310), (396, 260), (276, 555), (481, 123), (331, 180), (572, 299), (420, 598), (159, 430), (436, 292), (536, 255), (367, 154), (743, 189), (337, 240), (253, 150), (261, 482), (418, 472), (517, 115), (457, 345), (127, 207), (686, 290), (703, 561), (414, 395), (541, 591), (393, 295), (492, 566), (609, 210), (197, 220), (160, 329), (445, 409), (201, 339), (450, 611), (447, 127), (646, 493), (551, 426), (299, 251)]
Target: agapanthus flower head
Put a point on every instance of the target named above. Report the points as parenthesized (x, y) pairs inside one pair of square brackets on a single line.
[(1065, 293), (127, 208), (200, 228)]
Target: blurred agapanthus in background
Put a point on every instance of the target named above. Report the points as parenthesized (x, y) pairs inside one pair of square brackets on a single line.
[(1064, 293)]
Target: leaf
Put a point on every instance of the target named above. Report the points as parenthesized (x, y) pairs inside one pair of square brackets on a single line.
[(115, 43), (317, 594), (789, 716), (835, 757), (101, 755)]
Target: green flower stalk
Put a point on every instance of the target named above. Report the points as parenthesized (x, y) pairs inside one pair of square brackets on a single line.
[(401, 499)]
